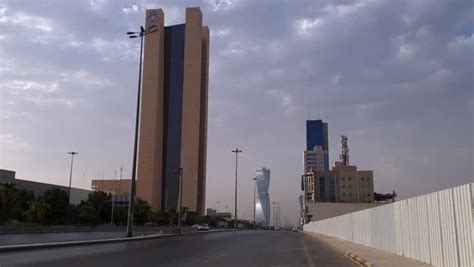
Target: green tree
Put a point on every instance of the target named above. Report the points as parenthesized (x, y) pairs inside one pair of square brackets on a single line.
[(8, 193), (87, 214), (96, 198), (20, 204), (23, 199), (58, 200), (142, 211), (37, 211), (191, 217)]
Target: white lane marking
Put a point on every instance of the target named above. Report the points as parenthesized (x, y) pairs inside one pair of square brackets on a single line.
[(306, 253)]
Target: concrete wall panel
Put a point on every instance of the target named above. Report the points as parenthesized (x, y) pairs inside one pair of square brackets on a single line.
[(436, 228)]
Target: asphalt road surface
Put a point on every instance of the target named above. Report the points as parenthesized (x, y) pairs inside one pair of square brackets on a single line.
[(243, 248)]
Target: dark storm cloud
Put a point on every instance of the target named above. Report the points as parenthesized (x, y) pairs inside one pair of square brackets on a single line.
[(395, 76)]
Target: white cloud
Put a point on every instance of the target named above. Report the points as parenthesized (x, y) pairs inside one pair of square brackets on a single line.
[(44, 101), (22, 19), (111, 49), (219, 5), (346, 10), (286, 100), (98, 5), (9, 140), (233, 48), (28, 85), (462, 42), (220, 32), (132, 9), (305, 25)]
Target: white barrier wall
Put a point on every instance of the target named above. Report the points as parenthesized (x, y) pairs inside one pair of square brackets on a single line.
[(436, 228)]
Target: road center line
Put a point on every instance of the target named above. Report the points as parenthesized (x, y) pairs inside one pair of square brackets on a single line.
[(306, 253)]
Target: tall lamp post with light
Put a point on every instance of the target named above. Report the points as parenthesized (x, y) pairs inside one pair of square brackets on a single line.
[(236, 151), (140, 34), (72, 153)]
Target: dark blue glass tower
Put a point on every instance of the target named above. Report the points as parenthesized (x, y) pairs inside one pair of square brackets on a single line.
[(173, 108), (317, 135)]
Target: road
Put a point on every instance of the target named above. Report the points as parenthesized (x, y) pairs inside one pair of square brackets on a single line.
[(243, 248)]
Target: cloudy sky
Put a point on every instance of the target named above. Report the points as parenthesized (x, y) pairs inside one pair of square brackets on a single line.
[(395, 76)]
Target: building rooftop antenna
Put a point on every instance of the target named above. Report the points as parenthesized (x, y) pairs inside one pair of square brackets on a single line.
[(319, 117), (344, 150), (307, 110)]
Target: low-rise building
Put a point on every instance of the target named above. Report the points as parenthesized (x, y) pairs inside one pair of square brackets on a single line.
[(215, 213), (341, 184), (38, 188)]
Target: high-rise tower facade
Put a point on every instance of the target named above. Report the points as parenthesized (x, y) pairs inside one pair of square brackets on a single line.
[(317, 147), (262, 205), (173, 119)]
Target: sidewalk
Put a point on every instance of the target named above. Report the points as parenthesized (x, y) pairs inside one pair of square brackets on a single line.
[(374, 256)]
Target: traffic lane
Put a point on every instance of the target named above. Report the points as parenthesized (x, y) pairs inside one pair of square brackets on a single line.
[(243, 248)]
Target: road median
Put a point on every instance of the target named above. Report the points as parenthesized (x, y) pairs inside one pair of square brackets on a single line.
[(19, 247)]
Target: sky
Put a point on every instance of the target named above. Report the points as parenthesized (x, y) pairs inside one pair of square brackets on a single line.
[(395, 76)]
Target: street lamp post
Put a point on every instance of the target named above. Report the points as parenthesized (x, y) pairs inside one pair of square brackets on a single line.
[(179, 171), (114, 195), (236, 151), (273, 213), (254, 202), (142, 33), (217, 213), (72, 153)]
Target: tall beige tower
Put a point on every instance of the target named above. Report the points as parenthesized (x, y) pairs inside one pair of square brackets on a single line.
[(173, 126)]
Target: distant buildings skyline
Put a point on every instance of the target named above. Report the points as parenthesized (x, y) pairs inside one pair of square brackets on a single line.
[(343, 183)]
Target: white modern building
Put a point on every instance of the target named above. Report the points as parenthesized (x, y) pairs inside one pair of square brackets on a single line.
[(314, 159), (262, 204)]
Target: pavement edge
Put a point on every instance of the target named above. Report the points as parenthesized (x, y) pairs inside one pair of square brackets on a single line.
[(94, 241), (80, 242), (349, 255)]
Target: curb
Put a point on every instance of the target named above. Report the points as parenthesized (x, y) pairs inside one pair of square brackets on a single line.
[(80, 243), (350, 256), (358, 260), (95, 241)]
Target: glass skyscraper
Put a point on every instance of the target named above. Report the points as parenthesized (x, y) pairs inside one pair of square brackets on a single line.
[(317, 136), (262, 205)]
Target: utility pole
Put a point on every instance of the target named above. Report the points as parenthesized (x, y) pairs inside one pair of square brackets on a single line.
[(236, 151), (273, 213), (120, 183), (217, 214), (113, 200), (70, 174), (179, 171)]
